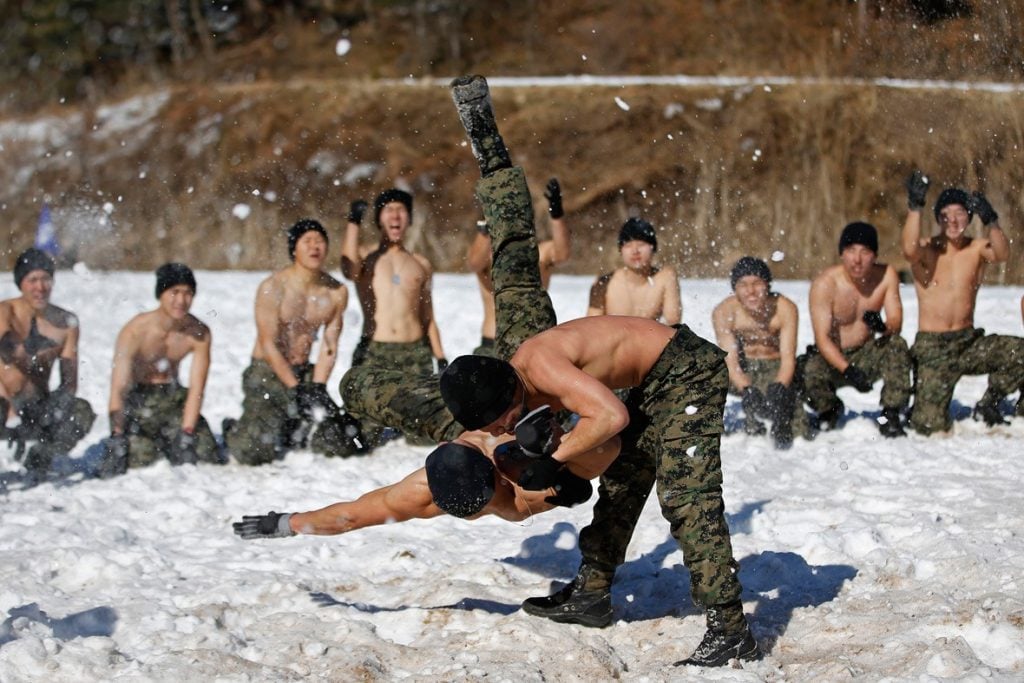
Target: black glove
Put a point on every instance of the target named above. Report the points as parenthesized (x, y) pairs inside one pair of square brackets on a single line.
[(535, 432), (483, 228), (356, 210), (540, 473), (554, 196), (873, 319), (917, 190), (311, 397), (779, 400), (271, 525), (978, 204), (115, 456), (753, 401), (857, 378), (183, 449), (571, 490), (442, 363)]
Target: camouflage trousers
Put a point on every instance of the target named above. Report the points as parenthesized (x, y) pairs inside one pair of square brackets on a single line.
[(412, 403), (673, 438), (56, 422), (942, 358), (886, 358), (271, 425), (153, 413), (762, 373)]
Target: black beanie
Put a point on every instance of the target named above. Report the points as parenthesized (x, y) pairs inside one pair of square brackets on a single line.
[(953, 195), (172, 274), (638, 229), (478, 389), (749, 265), (388, 196), (29, 260), (301, 228), (460, 479), (859, 233)]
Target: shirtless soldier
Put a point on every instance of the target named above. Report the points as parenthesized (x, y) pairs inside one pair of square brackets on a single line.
[(638, 288), (757, 328), (151, 414), (35, 334), (845, 302), (553, 252), (283, 393), (393, 284), (948, 270)]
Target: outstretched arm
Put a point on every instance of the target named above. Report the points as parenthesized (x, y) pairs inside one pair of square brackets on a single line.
[(910, 239)]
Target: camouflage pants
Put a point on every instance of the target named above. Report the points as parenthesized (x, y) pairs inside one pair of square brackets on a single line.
[(886, 358), (673, 438), (271, 425), (412, 403), (153, 413), (942, 358), (56, 422), (762, 372)]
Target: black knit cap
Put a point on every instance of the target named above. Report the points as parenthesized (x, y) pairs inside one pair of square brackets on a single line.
[(859, 233), (749, 265), (638, 229), (460, 479), (388, 196), (29, 260), (173, 274), (953, 195), (478, 389), (296, 232)]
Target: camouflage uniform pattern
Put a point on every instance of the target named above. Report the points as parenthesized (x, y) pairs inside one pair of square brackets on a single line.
[(153, 413), (56, 422), (886, 358), (762, 372), (673, 438), (486, 348), (412, 403), (271, 425), (942, 358)]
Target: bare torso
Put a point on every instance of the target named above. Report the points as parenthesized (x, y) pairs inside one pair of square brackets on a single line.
[(301, 309), (625, 292), (946, 279), (391, 285), (844, 303), (26, 368), (756, 334), (158, 348)]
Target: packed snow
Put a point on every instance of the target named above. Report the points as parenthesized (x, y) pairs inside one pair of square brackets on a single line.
[(860, 557)]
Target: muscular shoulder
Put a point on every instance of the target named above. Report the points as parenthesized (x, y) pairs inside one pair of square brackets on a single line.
[(784, 304), (726, 309), (423, 263), (60, 317), (826, 279), (196, 328), (665, 274), (271, 285)]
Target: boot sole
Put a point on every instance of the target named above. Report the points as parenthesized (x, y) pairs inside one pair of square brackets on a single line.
[(590, 621)]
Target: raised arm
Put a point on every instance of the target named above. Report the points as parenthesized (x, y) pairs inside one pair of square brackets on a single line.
[(722, 319), (268, 300), (197, 379), (997, 248), (910, 239), (478, 256), (328, 354), (561, 240), (351, 261)]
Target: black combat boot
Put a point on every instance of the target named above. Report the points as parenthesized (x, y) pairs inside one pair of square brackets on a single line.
[(586, 601), (473, 102), (893, 425), (988, 412), (828, 420), (728, 637)]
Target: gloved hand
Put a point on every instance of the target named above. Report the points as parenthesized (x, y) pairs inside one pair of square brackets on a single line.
[(540, 473), (554, 197), (752, 401), (356, 211), (917, 190), (570, 490), (873, 319), (311, 398), (483, 228), (535, 432), (271, 525), (442, 363), (115, 456), (779, 401), (978, 204), (856, 377), (183, 449)]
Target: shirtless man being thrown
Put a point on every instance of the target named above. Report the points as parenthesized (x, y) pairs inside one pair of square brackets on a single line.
[(948, 270)]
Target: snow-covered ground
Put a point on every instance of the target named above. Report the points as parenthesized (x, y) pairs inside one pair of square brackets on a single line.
[(860, 557)]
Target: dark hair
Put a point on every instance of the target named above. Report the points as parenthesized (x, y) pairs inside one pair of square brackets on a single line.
[(301, 228), (171, 274), (29, 260), (388, 196), (638, 229), (460, 479), (859, 233), (478, 389), (953, 195), (749, 265)]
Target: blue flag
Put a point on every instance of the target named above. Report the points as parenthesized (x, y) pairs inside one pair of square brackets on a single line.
[(46, 235)]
